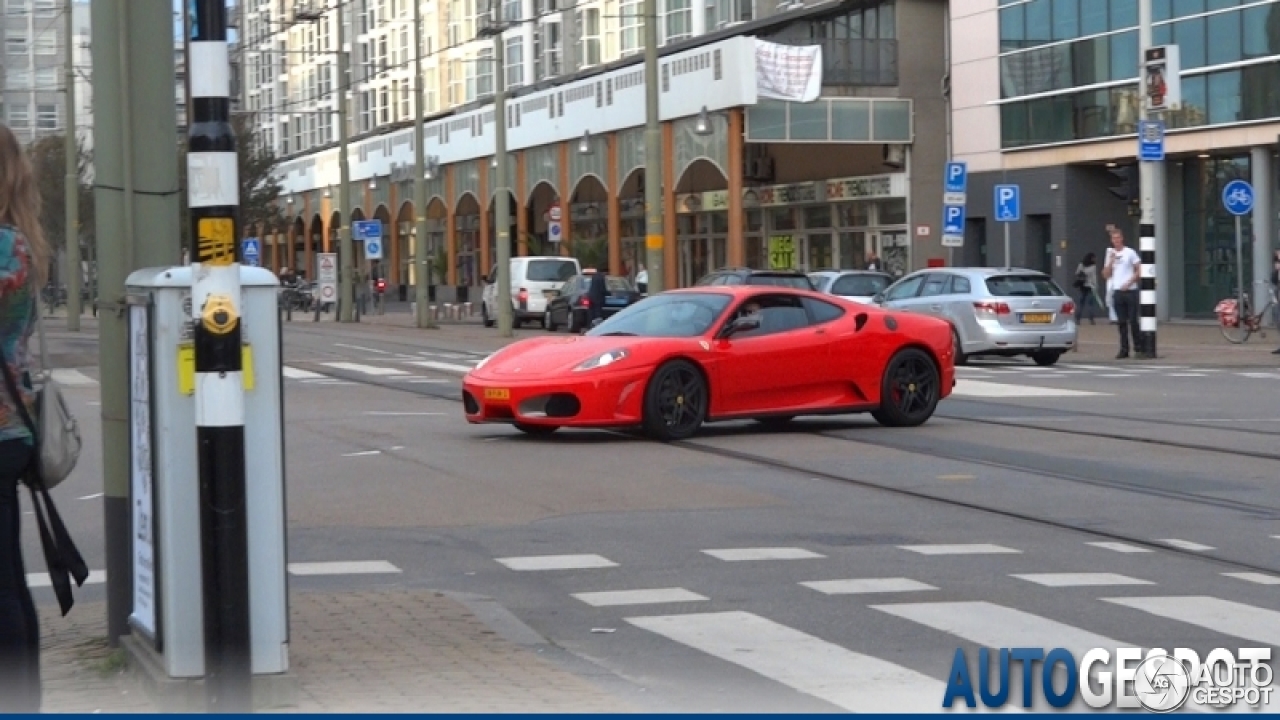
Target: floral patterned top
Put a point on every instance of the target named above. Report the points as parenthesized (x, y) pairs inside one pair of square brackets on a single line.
[(17, 319)]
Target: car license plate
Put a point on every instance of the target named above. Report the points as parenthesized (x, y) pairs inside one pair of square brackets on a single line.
[(497, 394), (616, 301), (1037, 318)]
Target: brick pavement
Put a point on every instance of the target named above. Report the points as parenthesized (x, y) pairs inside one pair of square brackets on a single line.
[(394, 650)]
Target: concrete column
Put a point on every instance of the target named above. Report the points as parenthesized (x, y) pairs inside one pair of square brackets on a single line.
[(486, 232), (450, 229), (613, 210), (521, 209), (1264, 236), (698, 24), (670, 250), (736, 253)]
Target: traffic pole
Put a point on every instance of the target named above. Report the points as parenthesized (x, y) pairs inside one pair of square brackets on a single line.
[(214, 199), (1149, 173)]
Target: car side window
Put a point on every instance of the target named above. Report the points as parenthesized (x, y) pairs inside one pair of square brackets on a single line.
[(905, 289), (935, 284), (777, 313), (960, 285), (822, 311), (730, 280)]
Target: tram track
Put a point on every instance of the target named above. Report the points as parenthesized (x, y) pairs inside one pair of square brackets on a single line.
[(705, 448)]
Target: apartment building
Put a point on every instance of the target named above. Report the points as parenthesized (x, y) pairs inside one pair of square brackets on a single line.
[(802, 179), (1046, 95), (32, 101)]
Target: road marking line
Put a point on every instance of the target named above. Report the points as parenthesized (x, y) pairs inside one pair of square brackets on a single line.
[(41, 580), (1223, 616), (427, 381), (979, 388), (813, 666), (392, 413), (1229, 420), (72, 378), (1120, 547), (957, 477), (557, 562), (638, 597), (361, 348), (743, 554), (447, 367), (294, 373), (1189, 374), (366, 369), (91, 497), (1254, 577), (991, 625), (1117, 375), (1187, 545), (362, 453), (1058, 580), (867, 585), (1260, 375), (368, 567), (974, 549)]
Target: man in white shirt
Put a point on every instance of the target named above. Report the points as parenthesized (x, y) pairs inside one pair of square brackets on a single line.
[(1123, 270)]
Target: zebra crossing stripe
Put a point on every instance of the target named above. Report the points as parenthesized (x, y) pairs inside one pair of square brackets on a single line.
[(1222, 616), (447, 367), (846, 679), (365, 369)]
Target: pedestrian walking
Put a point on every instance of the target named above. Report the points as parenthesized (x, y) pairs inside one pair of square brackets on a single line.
[(597, 293), (24, 257), (1086, 285), (1122, 270)]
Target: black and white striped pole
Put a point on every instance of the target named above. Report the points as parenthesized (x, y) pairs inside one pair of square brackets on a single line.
[(214, 200), (1150, 173)]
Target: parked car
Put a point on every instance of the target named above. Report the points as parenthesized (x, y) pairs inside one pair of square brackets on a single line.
[(532, 281), (993, 311), (856, 285), (570, 305), (679, 359), (748, 276)]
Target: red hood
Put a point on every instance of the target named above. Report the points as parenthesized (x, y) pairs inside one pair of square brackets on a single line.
[(553, 355)]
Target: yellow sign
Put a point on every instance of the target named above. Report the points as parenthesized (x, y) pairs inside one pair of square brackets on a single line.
[(782, 252), (497, 394), (187, 368), (653, 242), (216, 244)]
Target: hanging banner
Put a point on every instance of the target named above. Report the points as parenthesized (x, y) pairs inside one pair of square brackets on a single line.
[(788, 72)]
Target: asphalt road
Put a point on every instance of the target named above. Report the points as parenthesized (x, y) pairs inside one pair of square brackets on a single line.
[(833, 566)]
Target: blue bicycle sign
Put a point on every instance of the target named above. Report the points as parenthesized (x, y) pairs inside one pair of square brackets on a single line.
[(1237, 197)]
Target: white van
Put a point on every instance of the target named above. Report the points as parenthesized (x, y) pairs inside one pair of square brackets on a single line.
[(531, 279)]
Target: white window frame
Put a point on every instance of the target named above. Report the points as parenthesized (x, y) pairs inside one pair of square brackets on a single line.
[(552, 53), (15, 44), (484, 72), (589, 53), (676, 13), (630, 27), (515, 61), (19, 115)]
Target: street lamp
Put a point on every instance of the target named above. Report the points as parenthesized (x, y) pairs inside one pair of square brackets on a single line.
[(584, 145), (501, 209), (703, 125)]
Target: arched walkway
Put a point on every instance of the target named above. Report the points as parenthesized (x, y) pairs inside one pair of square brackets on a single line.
[(466, 243), (588, 222), (404, 231), (702, 233), (513, 228), (542, 199)]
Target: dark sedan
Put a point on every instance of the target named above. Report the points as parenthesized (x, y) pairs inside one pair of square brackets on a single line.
[(571, 307)]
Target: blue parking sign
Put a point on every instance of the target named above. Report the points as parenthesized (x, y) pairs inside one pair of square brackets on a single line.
[(953, 220), (1008, 205), (251, 251), (957, 177)]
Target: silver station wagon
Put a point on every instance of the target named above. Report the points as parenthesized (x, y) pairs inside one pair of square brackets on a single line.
[(992, 311)]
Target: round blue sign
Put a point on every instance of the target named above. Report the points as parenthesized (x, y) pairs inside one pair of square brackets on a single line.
[(1237, 197)]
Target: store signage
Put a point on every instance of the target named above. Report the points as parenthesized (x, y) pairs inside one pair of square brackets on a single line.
[(871, 187)]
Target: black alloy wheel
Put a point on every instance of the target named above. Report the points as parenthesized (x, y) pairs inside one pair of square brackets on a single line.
[(910, 390), (676, 402)]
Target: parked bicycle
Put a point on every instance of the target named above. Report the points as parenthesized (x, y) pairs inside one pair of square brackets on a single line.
[(1237, 326)]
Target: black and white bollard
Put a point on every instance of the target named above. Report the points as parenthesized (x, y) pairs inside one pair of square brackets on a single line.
[(1147, 289)]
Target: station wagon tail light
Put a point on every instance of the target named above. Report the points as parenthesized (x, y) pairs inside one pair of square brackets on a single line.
[(584, 301), (523, 295), (992, 308), (603, 359), (1068, 308)]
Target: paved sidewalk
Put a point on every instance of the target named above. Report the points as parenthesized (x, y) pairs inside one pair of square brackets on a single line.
[(392, 650)]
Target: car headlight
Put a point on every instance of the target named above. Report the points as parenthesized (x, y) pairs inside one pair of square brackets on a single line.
[(602, 360)]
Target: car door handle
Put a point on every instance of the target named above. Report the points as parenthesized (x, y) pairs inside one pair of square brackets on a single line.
[(935, 307)]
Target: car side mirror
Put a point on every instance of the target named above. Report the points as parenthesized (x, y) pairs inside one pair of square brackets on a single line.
[(741, 325), (878, 298)]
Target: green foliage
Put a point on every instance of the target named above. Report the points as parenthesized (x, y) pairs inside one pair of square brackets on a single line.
[(48, 161)]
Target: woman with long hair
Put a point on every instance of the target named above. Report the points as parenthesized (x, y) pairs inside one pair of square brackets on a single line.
[(1087, 285), (24, 257)]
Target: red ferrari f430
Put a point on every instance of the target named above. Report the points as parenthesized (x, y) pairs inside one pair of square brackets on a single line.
[(679, 359)]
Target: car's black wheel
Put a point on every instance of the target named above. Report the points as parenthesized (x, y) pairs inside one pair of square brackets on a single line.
[(1046, 358), (961, 358), (675, 402), (910, 390), (484, 315), (536, 429), (571, 321), (776, 422)]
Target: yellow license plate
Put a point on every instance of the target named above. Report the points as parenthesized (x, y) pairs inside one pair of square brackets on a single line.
[(497, 394), (1038, 318)]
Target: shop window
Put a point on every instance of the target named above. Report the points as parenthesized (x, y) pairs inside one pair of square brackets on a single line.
[(817, 217), (782, 219), (891, 212), (855, 214)]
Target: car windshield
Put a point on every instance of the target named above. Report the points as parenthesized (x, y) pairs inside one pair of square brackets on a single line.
[(1023, 286), (800, 282), (667, 315), (551, 270), (860, 285), (617, 283)]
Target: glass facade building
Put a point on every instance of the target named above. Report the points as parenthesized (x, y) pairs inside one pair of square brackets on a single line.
[(1069, 68)]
